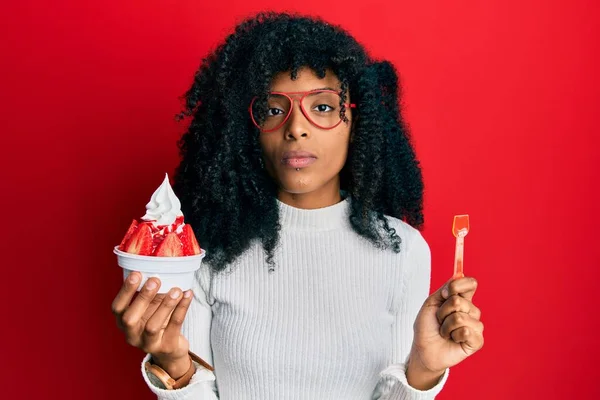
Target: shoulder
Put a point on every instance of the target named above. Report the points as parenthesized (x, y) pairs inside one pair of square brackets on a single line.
[(413, 242)]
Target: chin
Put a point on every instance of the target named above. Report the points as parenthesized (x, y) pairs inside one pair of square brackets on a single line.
[(297, 183)]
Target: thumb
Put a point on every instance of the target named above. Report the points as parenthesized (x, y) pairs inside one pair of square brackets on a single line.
[(439, 296)]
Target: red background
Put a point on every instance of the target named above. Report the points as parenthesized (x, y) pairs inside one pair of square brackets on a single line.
[(501, 97)]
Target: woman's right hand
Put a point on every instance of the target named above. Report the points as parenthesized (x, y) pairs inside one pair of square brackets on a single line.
[(152, 322)]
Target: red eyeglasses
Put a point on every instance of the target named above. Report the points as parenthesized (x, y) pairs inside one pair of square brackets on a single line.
[(321, 107)]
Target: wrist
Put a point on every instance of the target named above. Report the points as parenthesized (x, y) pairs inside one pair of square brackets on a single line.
[(420, 377), (176, 368)]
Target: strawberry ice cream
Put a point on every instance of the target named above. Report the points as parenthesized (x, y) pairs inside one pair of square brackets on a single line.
[(162, 231), (161, 244)]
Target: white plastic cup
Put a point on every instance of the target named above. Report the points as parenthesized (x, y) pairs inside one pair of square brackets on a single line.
[(172, 271)]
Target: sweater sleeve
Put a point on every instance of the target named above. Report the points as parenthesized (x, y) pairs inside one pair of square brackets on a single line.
[(196, 328), (393, 384)]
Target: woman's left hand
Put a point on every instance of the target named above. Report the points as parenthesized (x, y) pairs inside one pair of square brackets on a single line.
[(448, 328)]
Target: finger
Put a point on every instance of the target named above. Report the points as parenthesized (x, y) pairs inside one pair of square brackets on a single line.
[(458, 320), (457, 303), (173, 329), (158, 321), (132, 316), (472, 339), (464, 287), (126, 293), (152, 307)]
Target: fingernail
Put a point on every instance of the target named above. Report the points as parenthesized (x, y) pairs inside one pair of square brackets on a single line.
[(150, 285), (187, 294), (133, 278), (445, 292), (174, 294)]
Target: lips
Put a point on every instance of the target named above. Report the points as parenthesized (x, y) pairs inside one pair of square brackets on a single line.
[(298, 159)]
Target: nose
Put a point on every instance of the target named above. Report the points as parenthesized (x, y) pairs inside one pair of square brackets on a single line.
[(297, 125)]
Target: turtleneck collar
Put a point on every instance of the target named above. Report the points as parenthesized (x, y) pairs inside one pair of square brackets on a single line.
[(320, 219)]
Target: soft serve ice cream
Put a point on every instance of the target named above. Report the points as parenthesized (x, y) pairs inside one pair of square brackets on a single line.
[(164, 207), (162, 231)]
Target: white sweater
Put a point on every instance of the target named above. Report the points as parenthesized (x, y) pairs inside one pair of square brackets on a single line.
[(334, 321)]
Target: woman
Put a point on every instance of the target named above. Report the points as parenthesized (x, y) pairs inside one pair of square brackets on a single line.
[(299, 178)]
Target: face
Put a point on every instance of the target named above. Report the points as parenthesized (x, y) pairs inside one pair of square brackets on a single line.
[(302, 158)]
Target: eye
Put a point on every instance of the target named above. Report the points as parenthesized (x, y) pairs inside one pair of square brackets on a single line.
[(323, 108), (274, 112)]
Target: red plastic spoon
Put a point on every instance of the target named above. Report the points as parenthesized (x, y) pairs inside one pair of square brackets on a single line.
[(460, 228)]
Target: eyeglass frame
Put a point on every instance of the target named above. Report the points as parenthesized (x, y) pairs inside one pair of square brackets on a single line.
[(304, 94)]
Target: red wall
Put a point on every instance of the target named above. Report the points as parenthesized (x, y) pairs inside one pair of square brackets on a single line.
[(502, 99)]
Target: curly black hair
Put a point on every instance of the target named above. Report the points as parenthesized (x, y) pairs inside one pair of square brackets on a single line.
[(227, 195)]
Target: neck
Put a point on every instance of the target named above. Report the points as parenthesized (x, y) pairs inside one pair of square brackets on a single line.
[(325, 196)]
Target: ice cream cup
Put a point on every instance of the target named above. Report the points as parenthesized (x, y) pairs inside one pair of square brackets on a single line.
[(172, 271)]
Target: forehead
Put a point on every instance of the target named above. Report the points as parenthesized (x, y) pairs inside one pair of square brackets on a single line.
[(306, 80)]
